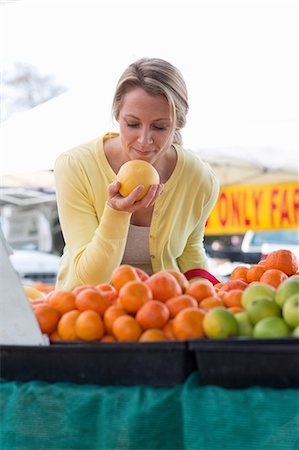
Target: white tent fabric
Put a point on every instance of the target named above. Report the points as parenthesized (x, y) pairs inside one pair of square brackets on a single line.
[(31, 141)]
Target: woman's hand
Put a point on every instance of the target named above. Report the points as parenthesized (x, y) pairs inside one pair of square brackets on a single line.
[(130, 203)]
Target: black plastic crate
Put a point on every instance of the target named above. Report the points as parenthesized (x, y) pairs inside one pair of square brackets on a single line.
[(155, 363), (243, 362)]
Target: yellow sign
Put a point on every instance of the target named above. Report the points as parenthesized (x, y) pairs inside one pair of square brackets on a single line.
[(255, 207)]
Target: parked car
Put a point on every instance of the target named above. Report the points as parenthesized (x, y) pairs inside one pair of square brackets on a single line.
[(32, 266), (260, 243)]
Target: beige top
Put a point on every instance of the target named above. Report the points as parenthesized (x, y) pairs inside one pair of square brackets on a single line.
[(137, 248)]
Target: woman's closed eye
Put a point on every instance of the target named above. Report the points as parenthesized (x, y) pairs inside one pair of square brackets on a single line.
[(156, 127)]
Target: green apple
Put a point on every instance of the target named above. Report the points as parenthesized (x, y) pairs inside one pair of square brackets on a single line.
[(220, 323), (257, 289), (245, 326), (290, 310), (261, 307), (295, 332), (271, 327), (287, 288)]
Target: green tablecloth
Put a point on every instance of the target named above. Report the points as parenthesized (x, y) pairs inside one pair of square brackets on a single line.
[(38, 415)]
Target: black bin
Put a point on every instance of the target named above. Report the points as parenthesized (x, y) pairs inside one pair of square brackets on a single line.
[(243, 362), (154, 363)]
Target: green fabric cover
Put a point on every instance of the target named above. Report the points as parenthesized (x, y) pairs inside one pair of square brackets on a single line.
[(39, 415)]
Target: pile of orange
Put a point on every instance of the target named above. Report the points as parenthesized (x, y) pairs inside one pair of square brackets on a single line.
[(139, 307)]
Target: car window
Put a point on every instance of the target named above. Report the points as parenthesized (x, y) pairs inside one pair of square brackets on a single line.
[(290, 237)]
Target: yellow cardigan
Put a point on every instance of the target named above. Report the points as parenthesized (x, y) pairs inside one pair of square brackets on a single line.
[(95, 234)]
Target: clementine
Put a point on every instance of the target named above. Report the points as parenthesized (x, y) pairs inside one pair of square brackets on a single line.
[(188, 324), (126, 328), (255, 272), (122, 274), (152, 334), (176, 304), (182, 280), (111, 314), (201, 289), (47, 317), (163, 286), (284, 260), (133, 295), (274, 277), (211, 302), (239, 273), (153, 314), (62, 300), (89, 326), (66, 325), (92, 299)]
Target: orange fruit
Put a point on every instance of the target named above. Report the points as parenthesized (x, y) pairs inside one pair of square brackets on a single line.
[(180, 277), (239, 273), (92, 299), (262, 262), (78, 289), (273, 277), (108, 291), (66, 325), (283, 260), (201, 289), (153, 314), (134, 173), (126, 328), (54, 336), (163, 286), (168, 331), (235, 309), (176, 304), (112, 313), (89, 326), (108, 338), (211, 302), (47, 317), (232, 298), (255, 272), (218, 285), (142, 274), (133, 295), (152, 334), (62, 300), (188, 324), (234, 284), (122, 274)]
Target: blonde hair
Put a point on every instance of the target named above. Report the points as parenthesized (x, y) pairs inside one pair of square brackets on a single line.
[(157, 77)]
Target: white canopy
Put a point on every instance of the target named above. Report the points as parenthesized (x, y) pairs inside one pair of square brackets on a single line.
[(31, 141)]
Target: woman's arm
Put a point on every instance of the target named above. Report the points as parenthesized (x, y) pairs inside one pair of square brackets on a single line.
[(194, 255), (95, 245)]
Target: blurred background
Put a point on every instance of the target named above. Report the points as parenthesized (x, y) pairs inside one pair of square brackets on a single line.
[(60, 62)]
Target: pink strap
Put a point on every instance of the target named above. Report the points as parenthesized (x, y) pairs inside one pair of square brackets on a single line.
[(201, 273)]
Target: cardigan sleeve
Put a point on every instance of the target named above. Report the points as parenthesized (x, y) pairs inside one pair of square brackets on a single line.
[(194, 254), (94, 246)]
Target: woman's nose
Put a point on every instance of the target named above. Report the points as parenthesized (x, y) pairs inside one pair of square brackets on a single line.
[(145, 137)]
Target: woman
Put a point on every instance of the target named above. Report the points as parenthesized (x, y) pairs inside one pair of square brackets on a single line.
[(165, 229)]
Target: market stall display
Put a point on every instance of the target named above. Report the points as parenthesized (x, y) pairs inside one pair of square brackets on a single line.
[(156, 330)]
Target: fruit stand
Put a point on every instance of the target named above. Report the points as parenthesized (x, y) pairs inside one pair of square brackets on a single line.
[(186, 393)]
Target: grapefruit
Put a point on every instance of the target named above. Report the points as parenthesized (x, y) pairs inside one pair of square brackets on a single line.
[(134, 173)]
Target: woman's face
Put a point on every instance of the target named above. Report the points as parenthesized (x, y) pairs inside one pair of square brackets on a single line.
[(146, 125)]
